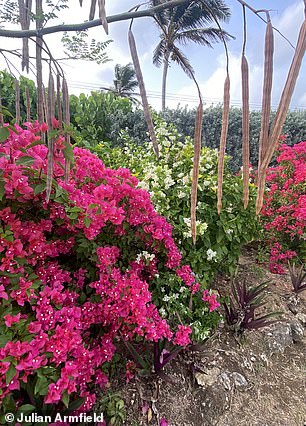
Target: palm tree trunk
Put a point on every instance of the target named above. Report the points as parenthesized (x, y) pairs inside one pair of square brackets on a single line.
[(165, 72)]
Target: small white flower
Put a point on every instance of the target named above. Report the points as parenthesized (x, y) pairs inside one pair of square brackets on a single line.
[(211, 254), (229, 231), (166, 298)]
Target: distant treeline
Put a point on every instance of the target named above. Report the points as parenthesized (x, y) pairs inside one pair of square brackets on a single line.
[(103, 117)]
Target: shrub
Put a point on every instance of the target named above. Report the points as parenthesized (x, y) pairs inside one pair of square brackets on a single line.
[(284, 211), (168, 181), (76, 274)]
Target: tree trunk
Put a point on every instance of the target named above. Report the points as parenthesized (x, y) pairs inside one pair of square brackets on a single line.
[(165, 72)]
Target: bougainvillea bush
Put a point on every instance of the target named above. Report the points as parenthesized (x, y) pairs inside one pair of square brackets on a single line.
[(77, 274), (284, 211)]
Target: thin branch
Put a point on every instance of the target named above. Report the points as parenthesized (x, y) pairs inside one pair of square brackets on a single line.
[(95, 23), (257, 12)]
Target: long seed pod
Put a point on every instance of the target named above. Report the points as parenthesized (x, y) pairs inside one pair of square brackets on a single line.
[(50, 112), (196, 168), (17, 90), (102, 15), (245, 129), (143, 94), (51, 101), (281, 112), (92, 9), (267, 92), (66, 120), (1, 115), (59, 103), (225, 119), (28, 104), (39, 43)]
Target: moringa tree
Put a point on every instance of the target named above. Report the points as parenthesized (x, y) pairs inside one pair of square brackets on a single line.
[(182, 25)]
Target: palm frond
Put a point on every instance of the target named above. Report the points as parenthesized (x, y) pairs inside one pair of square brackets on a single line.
[(158, 53), (203, 36), (179, 58)]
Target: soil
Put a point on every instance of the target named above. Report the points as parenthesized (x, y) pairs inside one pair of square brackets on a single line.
[(230, 381)]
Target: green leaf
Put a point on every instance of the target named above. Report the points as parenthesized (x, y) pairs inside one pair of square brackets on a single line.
[(68, 152), (41, 387), (38, 189), (26, 408), (87, 222), (4, 133), (2, 190), (65, 399), (75, 405), (25, 161), (11, 372)]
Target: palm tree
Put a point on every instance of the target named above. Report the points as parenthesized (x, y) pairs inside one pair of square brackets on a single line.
[(184, 24), (125, 81)]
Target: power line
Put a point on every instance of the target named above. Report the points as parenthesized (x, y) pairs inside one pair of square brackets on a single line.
[(171, 96)]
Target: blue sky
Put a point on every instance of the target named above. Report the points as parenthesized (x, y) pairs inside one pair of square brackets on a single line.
[(209, 64)]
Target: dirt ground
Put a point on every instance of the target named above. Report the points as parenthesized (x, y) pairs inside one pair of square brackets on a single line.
[(231, 382)]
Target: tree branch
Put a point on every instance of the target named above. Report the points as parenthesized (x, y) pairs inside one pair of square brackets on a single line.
[(95, 23)]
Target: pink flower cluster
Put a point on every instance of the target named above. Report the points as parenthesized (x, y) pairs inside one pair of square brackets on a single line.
[(284, 211), (70, 284)]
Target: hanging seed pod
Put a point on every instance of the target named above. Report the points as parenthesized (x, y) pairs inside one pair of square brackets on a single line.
[(281, 113), (39, 44), (17, 91), (45, 106), (267, 92), (59, 103), (28, 104), (245, 129), (66, 120), (142, 89), (1, 115), (92, 11), (51, 101), (196, 168), (102, 15), (225, 118)]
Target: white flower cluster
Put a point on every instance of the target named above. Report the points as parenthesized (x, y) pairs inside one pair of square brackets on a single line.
[(211, 255), (145, 255), (201, 227)]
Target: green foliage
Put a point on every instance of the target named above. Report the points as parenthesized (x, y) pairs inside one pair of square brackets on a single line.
[(77, 47), (112, 406), (7, 91), (184, 119), (101, 117)]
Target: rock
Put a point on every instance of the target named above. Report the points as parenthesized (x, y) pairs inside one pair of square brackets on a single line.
[(215, 401), (279, 338), (208, 378), (297, 331), (225, 380), (239, 380), (302, 318)]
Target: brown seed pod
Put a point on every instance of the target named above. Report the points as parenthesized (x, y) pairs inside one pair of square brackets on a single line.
[(267, 92), (143, 93), (17, 90), (281, 112), (102, 15), (224, 130), (1, 115), (66, 120), (51, 101), (28, 104), (59, 103), (196, 168), (92, 9), (245, 129)]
